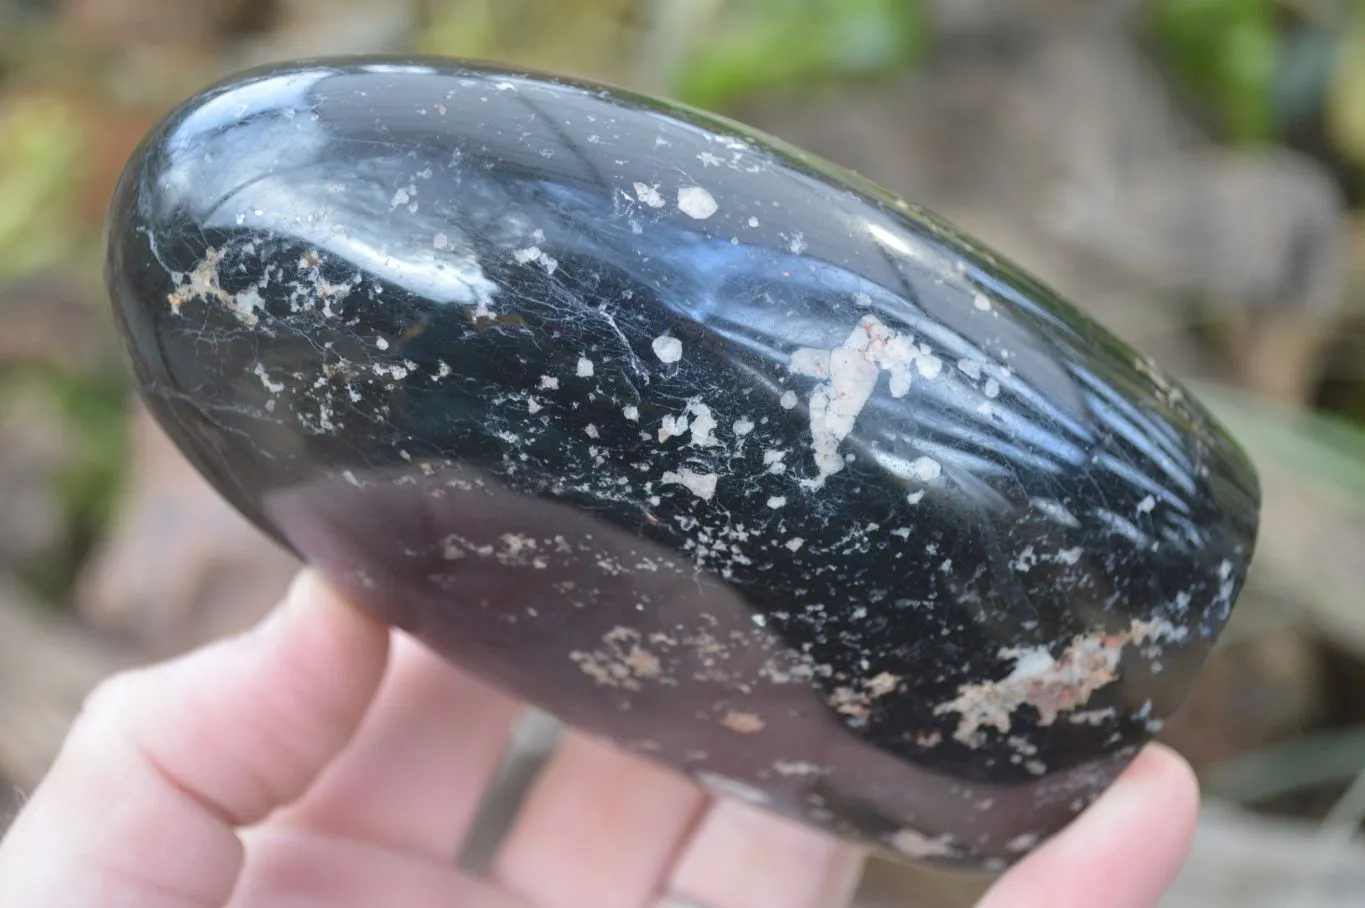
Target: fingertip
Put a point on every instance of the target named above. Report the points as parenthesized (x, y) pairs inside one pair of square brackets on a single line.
[(309, 594), (1122, 852)]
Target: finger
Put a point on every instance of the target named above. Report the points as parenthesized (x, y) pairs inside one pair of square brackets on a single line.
[(163, 763), (743, 857), (599, 828), (297, 868), (415, 774), (1122, 852)]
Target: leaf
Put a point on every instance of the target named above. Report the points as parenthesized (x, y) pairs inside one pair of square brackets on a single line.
[(43, 166), (1345, 111), (1226, 53), (1324, 450), (759, 44)]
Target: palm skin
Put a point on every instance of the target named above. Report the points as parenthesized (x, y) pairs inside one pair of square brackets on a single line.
[(256, 773)]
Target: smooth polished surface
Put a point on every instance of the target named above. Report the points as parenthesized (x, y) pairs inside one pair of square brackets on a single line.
[(707, 446)]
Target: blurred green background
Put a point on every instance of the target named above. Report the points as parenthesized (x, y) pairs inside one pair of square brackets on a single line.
[(1191, 171)]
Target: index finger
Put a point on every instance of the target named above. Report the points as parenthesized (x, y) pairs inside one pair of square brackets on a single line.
[(142, 805)]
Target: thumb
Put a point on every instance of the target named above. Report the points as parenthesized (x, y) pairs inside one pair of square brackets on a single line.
[(142, 804)]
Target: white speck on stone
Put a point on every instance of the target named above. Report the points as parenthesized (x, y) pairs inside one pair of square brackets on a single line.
[(703, 424), (753, 222), (649, 195), (925, 469), (848, 382), (585, 367), (591, 430), (703, 485), (992, 388), (400, 197), (970, 368), (915, 497), (246, 304), (797, 768), (1054, 511), (536, 254), (274, 387), (982, 301), (914, 844), (709, 160), (631, 412), (863, 300), (743, 426), (1146, 505), (1051, 685), (440, 241), (777, 501), (549, 383), (381, 343), (798, 243), (795, 543), (696, 202), (668, 348), (929, 367), (788, 400), (811, 362), (672, 425)]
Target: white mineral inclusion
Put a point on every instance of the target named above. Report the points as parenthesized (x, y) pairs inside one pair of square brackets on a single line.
[(788, 400), (696, 202), (667, 348), (585, 367), (703, 485), (848, 375), (925, 469), (649, 195)]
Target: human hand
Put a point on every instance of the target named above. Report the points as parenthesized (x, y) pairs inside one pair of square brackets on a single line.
[(322, 760)]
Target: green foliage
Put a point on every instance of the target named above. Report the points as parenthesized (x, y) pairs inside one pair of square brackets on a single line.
[(1225, 52), (93, 408), (1346, 99), (706, 52), (757, 44), (42, 170), (584, 37), (1327, 451)]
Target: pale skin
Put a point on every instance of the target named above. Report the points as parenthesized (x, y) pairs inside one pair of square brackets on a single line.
[(323, 761)]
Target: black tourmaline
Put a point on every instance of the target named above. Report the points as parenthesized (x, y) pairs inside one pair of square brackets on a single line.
[(706, 445)]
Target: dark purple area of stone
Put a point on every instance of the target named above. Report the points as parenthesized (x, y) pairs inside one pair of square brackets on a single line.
[(705, 445)]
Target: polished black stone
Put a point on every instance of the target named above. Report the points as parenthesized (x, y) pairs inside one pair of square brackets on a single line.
[(709, 447)]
